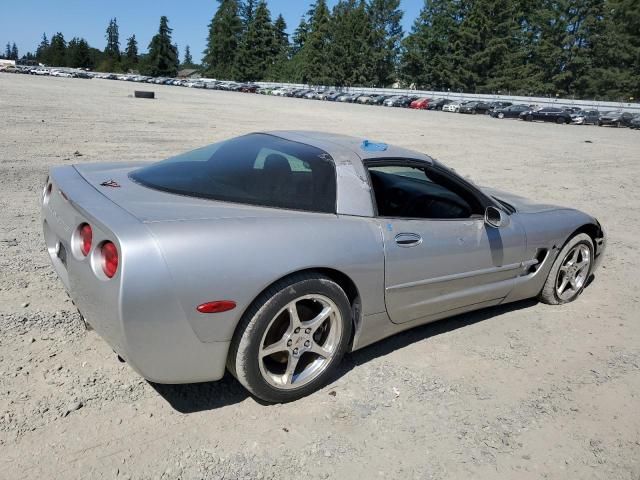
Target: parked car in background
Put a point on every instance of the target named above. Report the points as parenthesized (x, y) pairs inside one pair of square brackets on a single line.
[(81, 75), (512, 111), (635, 122), (323, 95), (474, 108), (616, 119), (452, 107), (364, 99), (438, 103), (248, 88), (499, 105), (588, 117), (335, 96), (547, 114), (378, 99), (421, 103), (400, 101)]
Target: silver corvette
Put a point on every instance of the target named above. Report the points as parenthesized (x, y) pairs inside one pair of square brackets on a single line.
[(273, 254)]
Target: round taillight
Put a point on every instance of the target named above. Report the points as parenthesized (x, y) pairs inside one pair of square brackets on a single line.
[(86, 237), (109, 259)]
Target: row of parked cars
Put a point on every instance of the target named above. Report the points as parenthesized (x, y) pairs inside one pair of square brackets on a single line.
[(497, 109), (43, 71)]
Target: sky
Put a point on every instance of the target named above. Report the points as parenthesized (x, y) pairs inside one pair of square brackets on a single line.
[(26, 20)]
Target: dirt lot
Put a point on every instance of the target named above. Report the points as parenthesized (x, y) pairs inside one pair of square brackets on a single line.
[(524, 391)]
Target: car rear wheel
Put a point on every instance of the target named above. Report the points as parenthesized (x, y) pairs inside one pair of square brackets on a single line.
[(560, 120), (570, 271), (291, 339), (528, 118)]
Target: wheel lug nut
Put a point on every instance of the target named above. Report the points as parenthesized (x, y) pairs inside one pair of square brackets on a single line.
[(307, 343), (297, 330), (307, 331), (289, 342), (295, 351)]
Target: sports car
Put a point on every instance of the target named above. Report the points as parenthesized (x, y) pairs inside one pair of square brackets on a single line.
[(273, 254)]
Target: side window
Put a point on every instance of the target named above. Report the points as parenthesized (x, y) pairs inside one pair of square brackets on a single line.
[(295, 164), (416, 192)]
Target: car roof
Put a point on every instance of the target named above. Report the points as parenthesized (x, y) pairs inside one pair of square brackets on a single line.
[(338, 145)]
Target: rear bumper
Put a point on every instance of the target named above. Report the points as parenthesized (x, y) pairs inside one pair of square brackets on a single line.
[(136, 312)]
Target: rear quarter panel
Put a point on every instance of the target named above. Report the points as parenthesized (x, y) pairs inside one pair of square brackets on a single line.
[(237, 258)]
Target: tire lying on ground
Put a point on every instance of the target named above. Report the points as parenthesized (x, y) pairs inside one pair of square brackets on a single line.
[(144, 94)]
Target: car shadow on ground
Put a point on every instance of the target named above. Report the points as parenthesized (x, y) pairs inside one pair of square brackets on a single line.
[(197, 397)]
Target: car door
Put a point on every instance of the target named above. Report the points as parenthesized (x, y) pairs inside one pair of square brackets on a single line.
[(436, 265)]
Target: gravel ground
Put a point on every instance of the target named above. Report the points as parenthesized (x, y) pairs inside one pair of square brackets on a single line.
[(522, 391)]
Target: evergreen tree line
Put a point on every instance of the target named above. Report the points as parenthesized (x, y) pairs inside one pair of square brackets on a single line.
[(161, 58), (356, 43), (10, 52), (581, 48)]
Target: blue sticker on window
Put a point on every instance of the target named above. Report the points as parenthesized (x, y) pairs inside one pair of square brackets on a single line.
[(369, 146)]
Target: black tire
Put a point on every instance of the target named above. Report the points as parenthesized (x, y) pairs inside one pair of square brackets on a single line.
[(529, 118), (143, 94), (549, 293), (243, 359), (560, 120)]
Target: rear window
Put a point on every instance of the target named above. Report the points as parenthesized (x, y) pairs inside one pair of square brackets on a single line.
[(255, 169)]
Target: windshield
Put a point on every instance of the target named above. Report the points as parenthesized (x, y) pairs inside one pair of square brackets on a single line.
[(256, 169)]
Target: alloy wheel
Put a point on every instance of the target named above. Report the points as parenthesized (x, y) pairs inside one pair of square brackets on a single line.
[(300, 341), (573, 272)]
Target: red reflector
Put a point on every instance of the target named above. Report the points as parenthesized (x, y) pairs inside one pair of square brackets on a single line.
[(109, 259), (217, 306), (86, 237)]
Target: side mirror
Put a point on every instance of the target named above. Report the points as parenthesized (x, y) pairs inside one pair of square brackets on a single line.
[(494, 217)]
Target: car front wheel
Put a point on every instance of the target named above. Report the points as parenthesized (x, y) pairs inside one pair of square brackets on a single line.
[(292, 338), (570, 271)]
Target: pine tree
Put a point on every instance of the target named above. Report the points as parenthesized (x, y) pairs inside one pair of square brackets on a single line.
[(57, 51), (43, 49), (163, 55), (256, 52), (488, 40), (314, 60), (386, 37), (78, 54), (616, 55), (223, 40), (428, 58), (7, 51), (14, 51), (350, 49), (188, 59), (113, 40), (131, 51), (247, 10), (300, 36), (279, 70)]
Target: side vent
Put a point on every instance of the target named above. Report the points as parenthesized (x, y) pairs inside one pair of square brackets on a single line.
[(541, 254)]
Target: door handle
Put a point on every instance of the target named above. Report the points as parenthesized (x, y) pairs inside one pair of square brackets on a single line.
[(408, 239)]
